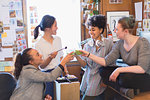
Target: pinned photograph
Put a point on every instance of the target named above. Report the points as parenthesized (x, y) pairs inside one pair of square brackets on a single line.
[(12, 13), (19, 22)]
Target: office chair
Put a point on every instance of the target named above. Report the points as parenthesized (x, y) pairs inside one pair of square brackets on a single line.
[(7, 85)]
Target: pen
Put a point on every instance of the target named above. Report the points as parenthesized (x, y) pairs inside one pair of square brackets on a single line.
[(62, 49)]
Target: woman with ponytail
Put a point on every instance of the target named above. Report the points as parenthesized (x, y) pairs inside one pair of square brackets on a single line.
[(48, 46), (30, 80)]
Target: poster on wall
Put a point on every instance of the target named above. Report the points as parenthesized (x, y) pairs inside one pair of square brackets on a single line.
[(112, 20)]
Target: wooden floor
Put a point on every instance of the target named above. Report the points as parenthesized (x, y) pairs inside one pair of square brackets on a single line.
[(142, 96), (112, 94)]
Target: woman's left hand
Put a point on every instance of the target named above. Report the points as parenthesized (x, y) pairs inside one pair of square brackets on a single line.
[(48, 97), (114, 75)]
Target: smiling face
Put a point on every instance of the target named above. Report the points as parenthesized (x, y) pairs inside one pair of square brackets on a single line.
[(54, 28), (36, 58), (95, 32), (120, 32)]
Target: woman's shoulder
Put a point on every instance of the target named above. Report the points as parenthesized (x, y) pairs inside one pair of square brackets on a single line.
[(40, 41), (56, 37), (89, 42), (108, 41), (29, 67), (143, 42), (143, 39)]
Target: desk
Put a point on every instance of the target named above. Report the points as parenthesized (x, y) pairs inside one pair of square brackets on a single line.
[(67, 91)]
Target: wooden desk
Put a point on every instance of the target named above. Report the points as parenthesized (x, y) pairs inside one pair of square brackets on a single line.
[(67, 91), (74, 68)]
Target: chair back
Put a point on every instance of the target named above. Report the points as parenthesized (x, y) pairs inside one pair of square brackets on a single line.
[(7, 85)]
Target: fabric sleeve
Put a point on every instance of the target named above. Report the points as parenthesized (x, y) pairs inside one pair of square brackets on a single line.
[(61, 53), (109, 45), (38, 48), (113, 54), (85, 49), (38, 76), (144, 54)]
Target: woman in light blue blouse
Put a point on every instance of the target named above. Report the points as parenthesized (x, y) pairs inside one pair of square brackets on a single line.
[(91, 87)]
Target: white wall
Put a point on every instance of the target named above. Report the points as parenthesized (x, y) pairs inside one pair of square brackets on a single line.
[(67, 14)]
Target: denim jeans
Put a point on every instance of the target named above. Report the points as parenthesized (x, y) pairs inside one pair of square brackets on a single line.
[(49, 87)]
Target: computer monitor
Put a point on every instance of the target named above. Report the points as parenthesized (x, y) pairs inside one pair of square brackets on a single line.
[(145, 34)]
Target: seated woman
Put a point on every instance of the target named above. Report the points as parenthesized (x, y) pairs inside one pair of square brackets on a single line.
[(134, 50), (30, 80)]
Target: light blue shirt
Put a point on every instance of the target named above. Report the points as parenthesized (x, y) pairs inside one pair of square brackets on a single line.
[(91, 81)]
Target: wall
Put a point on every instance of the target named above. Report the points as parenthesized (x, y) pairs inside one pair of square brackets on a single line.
[(127, 5)]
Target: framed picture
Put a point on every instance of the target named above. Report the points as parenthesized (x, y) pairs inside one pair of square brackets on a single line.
[(115, 1), (112, 20)]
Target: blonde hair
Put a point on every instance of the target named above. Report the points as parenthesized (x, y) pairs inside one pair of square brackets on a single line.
[(128, 23)]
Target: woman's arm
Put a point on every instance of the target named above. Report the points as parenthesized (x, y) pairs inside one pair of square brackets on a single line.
[(98, 60), (32, 73), (48, 59), (82, 62), (129, 69)]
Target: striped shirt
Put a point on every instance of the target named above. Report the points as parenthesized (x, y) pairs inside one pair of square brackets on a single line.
[(91, 81)]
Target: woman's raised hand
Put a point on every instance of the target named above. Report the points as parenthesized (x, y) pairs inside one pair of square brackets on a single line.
[(84, 53), (67, 58), (53, 54)]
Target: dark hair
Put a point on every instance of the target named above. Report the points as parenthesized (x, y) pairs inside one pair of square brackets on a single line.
[(97, 21), (46, 22), (22, 59), (127, 23)]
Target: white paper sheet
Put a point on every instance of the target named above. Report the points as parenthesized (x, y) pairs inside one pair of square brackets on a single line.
[(138, 11), (8, 40), (8, 52)]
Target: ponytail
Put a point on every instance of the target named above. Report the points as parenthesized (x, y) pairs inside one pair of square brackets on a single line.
[(18, 66), (22, 59), (36, 32), (46, 22)]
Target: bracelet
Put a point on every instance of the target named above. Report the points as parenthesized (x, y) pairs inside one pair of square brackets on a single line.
[(88, 55), (61, 66)]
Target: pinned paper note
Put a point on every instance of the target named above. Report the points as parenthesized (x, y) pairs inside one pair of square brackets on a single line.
[(4, 35), (8, 68)]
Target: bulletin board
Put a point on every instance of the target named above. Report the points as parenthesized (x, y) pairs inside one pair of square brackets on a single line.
[(12, 37)]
